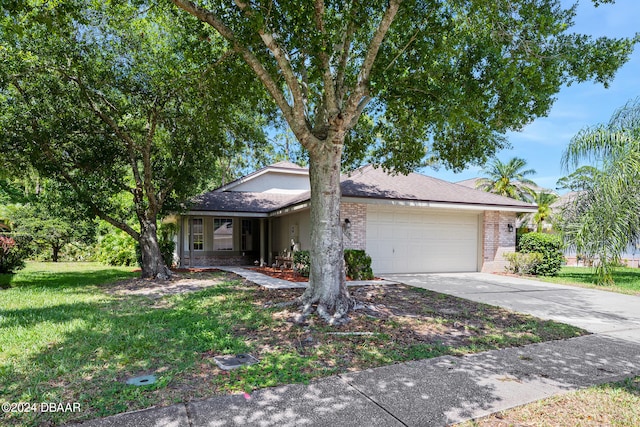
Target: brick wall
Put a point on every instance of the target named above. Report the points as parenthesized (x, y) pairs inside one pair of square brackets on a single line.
[(206, 260), (497, 240), (355, 235)]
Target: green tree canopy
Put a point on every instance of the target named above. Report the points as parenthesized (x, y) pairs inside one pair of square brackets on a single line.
[(401, 82), (117, 98), (580, 179), (52, 218)]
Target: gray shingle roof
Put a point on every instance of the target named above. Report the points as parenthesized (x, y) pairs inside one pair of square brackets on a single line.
[(375, 183), (240, 201), (366, 182)]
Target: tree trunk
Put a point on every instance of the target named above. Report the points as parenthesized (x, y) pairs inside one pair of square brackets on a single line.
[(153, 266), (56, 251), (327, 282)]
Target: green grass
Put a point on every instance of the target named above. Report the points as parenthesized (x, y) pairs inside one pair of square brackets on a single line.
[(64, 339), (614, 404), (627, 280)]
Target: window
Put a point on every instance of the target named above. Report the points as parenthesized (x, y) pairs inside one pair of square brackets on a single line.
[(222, 234), (197, 234), (246, 237)]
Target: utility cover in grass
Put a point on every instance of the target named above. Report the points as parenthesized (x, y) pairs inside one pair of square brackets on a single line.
[(232, 362), (143, 380)]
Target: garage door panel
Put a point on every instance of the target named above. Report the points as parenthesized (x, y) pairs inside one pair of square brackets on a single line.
[(412, 240)]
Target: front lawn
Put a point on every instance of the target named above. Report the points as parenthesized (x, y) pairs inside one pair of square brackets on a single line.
[(615, 404), (627, 280), (74, 333)]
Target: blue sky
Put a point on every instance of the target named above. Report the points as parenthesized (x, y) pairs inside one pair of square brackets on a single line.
[(542, 142)]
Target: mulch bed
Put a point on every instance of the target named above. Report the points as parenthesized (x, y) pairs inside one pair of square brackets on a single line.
[(287, 274), (284, 274)]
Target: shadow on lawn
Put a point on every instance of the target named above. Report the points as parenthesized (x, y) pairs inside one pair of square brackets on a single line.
[(73, 279), (104, 343)]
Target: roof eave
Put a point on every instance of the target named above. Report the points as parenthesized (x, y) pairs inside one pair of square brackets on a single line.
[(226, 214), (440, 204)]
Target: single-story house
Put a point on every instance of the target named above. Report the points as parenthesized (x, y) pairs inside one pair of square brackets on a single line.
[(407, 224)]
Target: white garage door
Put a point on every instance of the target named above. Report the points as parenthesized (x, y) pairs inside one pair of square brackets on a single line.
[(416, 240)]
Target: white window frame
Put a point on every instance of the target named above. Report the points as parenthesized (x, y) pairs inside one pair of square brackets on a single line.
[(197, 243), (217, 224)]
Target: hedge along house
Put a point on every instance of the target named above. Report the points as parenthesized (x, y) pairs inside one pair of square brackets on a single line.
[(408, 224)]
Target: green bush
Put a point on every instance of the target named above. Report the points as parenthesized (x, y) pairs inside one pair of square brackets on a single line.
[(358, 264), (13, 251), (117, 248), (75, 252), (523, 263), (550, 246), (302, 262), (166, 243)]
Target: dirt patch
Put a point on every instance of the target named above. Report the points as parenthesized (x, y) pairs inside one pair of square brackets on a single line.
[(184, 280), (392, 318)]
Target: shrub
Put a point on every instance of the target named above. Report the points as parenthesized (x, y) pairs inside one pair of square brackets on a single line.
[(358, 264), (167, 247), (550, 246), (117, 248), (523, 263), (13, 251), (302, 262), (166, 243)]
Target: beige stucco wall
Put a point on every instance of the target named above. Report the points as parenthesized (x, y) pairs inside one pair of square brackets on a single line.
[(296, 226), (276, 182), (497, 240)]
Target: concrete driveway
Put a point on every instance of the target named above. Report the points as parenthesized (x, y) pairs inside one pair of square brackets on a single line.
[(601, 312)]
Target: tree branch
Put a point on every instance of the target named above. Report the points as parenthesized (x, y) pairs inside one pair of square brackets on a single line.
[(355, 99), (329, 95), (293, 115), (284, 64), (124, 136), (53, 161), (46, 149), (342, 63), (146, 163)]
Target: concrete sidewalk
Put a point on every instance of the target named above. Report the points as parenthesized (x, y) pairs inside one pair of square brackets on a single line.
[(444, 390)]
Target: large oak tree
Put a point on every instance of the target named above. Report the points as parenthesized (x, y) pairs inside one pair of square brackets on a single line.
[(401, 82), (116, 98)]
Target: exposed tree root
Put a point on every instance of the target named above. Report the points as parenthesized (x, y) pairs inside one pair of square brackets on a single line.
[(335, 313)]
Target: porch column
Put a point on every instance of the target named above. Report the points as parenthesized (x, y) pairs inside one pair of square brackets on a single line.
[(262, 242), (269, 242), (190, 242), (181, 242)]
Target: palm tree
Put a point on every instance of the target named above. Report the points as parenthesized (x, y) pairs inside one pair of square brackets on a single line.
[(606, 217), (507, 179), (544, 200)]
